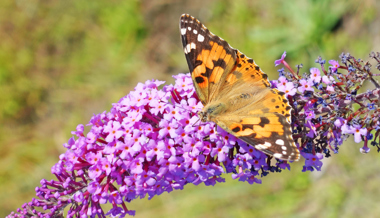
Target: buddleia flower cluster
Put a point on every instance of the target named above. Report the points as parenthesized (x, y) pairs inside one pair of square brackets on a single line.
[(152, 140), (328, 108)]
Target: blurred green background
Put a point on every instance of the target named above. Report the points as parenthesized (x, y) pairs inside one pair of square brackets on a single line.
[(61, 61)]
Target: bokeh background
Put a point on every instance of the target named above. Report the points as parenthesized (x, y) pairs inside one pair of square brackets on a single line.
[(61, 61)]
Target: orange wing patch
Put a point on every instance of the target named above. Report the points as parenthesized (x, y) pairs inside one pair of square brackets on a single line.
[(276, 102), (210, 68), (261, 127), (247, 70)]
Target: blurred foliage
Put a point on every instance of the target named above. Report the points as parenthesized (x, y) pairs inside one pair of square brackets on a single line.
[(62, 61)]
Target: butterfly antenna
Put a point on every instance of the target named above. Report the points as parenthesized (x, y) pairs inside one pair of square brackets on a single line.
[(199, 119)]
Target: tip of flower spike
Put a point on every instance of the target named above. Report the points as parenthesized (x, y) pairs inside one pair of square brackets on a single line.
[(279, 61)]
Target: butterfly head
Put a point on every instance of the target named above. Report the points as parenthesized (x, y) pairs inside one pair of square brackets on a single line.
[(202, 116), (211, 111)]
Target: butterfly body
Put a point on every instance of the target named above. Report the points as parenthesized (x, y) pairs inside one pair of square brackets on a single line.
[(236, 93)]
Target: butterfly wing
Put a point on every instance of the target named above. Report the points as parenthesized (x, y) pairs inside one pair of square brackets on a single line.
[(269, 133), (209, 57), (259, 117), (213, 63), (254, 112)]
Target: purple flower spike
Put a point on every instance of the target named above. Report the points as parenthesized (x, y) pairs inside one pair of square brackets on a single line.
[(152, 141)]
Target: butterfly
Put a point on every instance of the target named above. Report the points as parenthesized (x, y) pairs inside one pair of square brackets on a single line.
[(236, 93)]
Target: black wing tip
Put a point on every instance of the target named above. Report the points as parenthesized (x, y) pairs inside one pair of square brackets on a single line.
[(187, 17)]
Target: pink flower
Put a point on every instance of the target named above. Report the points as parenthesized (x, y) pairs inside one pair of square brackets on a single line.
[(288, 89), (280, 61), (113, 130), (359, 132), (315, 75), (326, 80), (335, 65), (305, 85)]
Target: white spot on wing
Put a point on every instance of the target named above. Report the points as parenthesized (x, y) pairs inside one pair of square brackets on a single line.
[(280, 142), (201, 38), (283, 147), (277, 155), (188, 47), (195, 31), (183, 31), (284, 152), (189, 28), (264, 146), (185, 50), (192, 45)]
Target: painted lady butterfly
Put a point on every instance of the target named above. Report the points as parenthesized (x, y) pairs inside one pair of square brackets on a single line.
[(236, 93)]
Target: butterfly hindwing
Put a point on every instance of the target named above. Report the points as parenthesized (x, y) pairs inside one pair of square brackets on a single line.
[(258, 116), (269, 133)]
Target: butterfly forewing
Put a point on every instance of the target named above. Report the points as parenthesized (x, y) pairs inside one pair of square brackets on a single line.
[(222, 75), (209, 57)]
